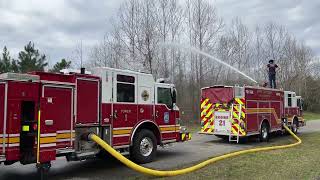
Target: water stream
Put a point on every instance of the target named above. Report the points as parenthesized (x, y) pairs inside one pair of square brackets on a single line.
[(193, 49)]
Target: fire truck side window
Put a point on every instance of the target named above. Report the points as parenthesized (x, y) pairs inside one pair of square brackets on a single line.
[(125, 88), (164, 96), (289, 100)]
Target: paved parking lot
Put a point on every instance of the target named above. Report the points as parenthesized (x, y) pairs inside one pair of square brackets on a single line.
[(201, 147)]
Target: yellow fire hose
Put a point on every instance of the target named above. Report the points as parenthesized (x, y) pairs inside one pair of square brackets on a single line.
[(153, 172)]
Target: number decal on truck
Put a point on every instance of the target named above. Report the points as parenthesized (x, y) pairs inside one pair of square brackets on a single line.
[(222, 122)]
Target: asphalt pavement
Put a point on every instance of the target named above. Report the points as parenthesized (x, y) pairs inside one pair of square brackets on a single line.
[(201, 147)]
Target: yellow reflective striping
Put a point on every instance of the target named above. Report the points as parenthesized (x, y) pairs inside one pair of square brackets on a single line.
[(234, 131), (45, 140), (205, 111), (204, 103), (10, 140), (167, 128), (209, 114), (65, 135), (210, 130), (208, 107), (264, 110), (238, 100), (14, 140), (235, 114), (243, 115), (122, 131)]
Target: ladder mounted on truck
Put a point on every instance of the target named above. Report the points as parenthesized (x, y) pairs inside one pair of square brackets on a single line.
[(231, 134)]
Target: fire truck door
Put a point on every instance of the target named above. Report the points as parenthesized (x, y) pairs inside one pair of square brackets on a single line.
[(164, 113), (56, 120), (124, 107)]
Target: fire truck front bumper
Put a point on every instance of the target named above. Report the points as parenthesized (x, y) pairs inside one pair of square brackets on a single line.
[(184, 135)]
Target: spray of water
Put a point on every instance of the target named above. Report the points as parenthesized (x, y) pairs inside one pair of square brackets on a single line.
[(181, 46)]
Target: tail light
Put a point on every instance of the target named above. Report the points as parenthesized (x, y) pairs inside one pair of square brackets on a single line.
[(35, 127)]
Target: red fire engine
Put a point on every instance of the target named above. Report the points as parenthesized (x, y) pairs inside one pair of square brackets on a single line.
[(232, 112), (44, 115)]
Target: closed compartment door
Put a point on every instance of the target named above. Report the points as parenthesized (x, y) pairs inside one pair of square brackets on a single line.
[(56, 125), (87, 101)]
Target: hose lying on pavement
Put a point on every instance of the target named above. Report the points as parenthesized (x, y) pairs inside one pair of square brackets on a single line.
[(153, 172)]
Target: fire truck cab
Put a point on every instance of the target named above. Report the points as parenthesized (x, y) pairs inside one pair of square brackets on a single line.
[(232, 112), (45, 115)]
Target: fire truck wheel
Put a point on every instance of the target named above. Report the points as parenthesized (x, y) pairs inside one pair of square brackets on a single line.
[(264, 132), (295, 126), (144, 147)]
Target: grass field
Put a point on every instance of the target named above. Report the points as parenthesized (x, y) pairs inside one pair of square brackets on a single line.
[(299, 162), (311, 116)]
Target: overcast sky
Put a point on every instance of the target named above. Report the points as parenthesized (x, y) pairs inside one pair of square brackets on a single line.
[(56, 26)]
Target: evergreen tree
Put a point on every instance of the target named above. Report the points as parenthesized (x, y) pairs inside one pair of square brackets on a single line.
[(5, 61), (63, 64), (14, 66), (31, 60)]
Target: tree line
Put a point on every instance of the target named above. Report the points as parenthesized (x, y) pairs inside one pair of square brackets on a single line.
[(29, 59), (144, 29)]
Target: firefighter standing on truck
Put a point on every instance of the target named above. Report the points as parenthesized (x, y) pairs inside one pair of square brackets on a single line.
[(272, 73)]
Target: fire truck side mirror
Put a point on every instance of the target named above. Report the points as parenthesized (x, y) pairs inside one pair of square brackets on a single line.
[(174, 95)]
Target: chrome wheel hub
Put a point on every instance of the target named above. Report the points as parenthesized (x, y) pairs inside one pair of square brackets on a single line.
[(294, 127), (264, 132), (146, 146)]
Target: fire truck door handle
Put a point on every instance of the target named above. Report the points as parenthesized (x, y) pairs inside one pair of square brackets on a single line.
[(115, 114), (157, 114), (125, 117)]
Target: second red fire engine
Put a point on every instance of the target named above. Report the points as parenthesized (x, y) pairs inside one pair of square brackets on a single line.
[(232, 112)]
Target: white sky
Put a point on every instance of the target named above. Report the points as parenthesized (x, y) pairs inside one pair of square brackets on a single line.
[(57, 26)]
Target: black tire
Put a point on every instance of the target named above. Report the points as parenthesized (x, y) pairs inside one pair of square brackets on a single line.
[(264, 132), (144, 147), (295, 126)]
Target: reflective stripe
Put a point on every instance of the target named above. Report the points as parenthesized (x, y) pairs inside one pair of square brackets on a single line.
[(168, 128), (164, 132), (65, 140), (48, 145), (65, 131), (121, 131), (121, 135), (48, 135), (45, 140), (14, 145)]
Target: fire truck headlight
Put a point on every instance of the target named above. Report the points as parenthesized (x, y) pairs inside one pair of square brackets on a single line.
[(183, 129), (284, 121)]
